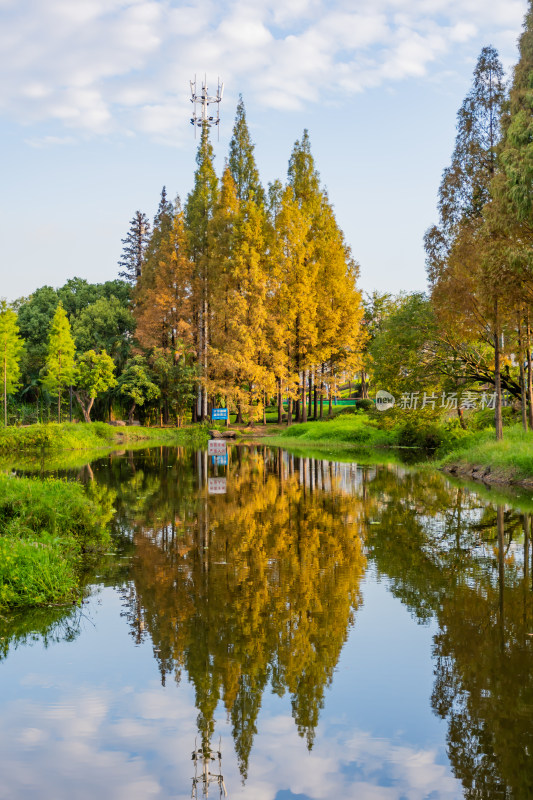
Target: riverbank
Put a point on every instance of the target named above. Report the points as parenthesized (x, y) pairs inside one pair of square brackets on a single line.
[(482, 458), (350, 430), (468, 453), (50, 530), (53, 437)]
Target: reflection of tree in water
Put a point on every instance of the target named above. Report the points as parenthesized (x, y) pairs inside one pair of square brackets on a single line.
[(45, 625), (450, 556), (252, 587)]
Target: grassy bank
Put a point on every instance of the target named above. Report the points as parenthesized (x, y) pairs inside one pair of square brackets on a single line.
[(91, 436), (49, 531), (470, 452), (350, 430), (481, 456)]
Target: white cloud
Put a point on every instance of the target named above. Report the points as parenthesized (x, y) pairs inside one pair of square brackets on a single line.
[(91, 742), (119, 65)]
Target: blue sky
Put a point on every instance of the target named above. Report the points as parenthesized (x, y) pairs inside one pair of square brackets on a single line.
[(94, 116)]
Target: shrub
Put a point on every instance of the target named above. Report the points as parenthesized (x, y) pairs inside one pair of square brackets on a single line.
[(46, 526)]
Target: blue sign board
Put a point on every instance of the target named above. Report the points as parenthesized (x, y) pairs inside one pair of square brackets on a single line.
[(219, 413), (222, 460)]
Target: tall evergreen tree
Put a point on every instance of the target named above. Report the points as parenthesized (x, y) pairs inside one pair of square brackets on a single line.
[(509, 220), (60, 368), (198, 211), (242, 160), (460, 257), (134, 249), (10, 351), (517, 150)]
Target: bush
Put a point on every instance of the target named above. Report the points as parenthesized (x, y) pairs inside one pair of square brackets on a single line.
[(347, 410), (46, 527)]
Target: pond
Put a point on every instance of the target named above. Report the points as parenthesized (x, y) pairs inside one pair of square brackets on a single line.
[(280, 627)]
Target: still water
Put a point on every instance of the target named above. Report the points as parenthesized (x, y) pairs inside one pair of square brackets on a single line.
[(280, 628)]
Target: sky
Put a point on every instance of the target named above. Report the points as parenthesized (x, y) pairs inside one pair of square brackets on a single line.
[(95, 109)]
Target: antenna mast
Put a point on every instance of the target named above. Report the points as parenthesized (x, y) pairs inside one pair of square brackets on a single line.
[(201, 102), (203, 777)]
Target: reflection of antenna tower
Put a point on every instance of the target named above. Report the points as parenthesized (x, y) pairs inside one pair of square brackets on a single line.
[(201, 103), (203, 777)]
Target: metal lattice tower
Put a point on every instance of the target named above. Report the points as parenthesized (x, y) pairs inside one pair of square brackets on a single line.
[(201, 102), (204, 778)]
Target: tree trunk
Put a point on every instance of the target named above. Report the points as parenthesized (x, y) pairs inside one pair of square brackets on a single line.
[(280, 403), (85, 407), (289, 412), (251, 420), (523, 398), (59, 391), (529, 371), (5, 385), (322, 391), (315, 402), (205, 316), (130, 415), (310, 389), (498, 422), (364, 386), (239, 419), (304, 398)]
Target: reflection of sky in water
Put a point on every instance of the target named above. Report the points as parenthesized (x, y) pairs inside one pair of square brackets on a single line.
[(89, 720)]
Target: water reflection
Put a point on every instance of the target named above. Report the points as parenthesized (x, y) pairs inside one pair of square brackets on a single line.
[(452, 557), (244, 573), (253, 588)]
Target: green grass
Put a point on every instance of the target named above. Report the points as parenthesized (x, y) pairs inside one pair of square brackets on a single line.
[(92, 435), (49, 529), (443, 440), (351, 430), (512, 457)]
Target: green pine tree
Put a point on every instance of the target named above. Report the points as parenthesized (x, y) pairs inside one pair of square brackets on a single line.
[(135, 244), (11, 347), (60, 368), (460, 254), (517, 150)]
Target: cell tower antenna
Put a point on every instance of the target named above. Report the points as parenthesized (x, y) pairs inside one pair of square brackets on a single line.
[(201, 102), (205, 772)]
